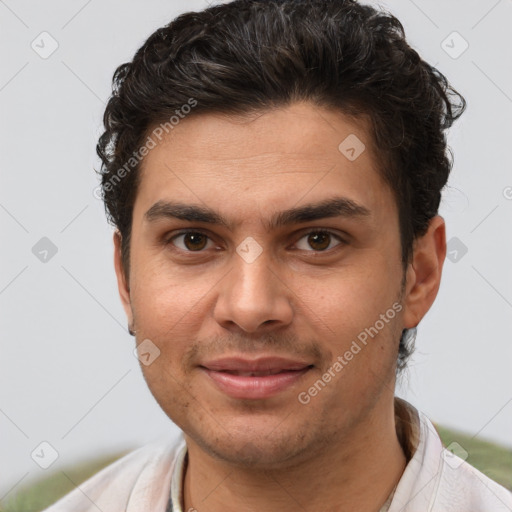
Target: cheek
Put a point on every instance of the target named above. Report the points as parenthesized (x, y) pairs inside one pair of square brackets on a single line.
[(348, 299), (166, 298), (358, 312)]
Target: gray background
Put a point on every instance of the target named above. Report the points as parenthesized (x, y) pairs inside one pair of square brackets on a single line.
[(68, 374)]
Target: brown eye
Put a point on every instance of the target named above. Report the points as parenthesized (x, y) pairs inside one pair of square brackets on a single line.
[(192, 241), (318, 241)]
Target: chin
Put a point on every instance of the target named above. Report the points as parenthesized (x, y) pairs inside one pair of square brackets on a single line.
[(259, 445), (254, 454)]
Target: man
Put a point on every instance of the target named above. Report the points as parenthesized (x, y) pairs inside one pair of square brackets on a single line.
[(274, 171)]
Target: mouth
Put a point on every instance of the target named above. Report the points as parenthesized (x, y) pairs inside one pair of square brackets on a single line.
[(254, 374), (254, 379)]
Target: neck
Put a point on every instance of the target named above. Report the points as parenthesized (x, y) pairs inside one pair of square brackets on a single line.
[(358, 472)]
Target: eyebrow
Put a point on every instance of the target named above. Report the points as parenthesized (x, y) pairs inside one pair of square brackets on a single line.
[(329, 208)]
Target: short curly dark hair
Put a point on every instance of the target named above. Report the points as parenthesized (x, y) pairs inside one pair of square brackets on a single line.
[(248, 56)]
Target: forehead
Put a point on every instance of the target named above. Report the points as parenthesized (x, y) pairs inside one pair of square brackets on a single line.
[(248, 164)]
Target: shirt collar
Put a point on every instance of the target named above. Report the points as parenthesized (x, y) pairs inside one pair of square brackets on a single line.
[(407, 428), (176, 498)]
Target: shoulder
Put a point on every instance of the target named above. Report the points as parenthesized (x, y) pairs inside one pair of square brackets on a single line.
[(436, 480), (142, 476), (462, 487), (457, 485)]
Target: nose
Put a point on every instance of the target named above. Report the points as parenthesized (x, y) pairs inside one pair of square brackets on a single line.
[(253, 298)]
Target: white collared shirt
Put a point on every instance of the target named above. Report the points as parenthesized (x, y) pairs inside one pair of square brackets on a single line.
[(150, 479)]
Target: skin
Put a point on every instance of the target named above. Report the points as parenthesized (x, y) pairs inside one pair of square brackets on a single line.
[(294, 301)]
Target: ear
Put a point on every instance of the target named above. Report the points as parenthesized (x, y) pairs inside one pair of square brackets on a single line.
[(122, 281), (424, 272)]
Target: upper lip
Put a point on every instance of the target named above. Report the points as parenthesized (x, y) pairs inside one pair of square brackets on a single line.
[(262, 364)]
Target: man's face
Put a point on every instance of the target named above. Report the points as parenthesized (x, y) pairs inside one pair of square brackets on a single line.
[(227, 305)]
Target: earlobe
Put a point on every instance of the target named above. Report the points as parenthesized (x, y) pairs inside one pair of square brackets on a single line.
[(122, 281), (424, 272)]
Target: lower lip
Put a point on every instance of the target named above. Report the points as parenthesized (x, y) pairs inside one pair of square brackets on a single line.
[(254, 388)]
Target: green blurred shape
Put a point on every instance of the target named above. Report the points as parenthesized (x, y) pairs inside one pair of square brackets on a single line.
[(47, 490)]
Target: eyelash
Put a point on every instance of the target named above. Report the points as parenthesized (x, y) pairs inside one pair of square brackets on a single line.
[(311, 231)]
